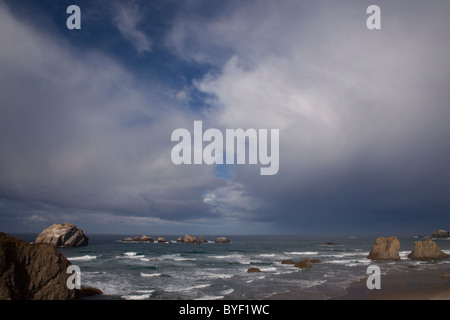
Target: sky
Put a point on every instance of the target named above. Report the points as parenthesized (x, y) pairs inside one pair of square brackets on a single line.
[(86, 116)]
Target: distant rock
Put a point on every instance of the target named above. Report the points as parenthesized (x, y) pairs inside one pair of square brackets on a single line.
[(289, 261), (426, 250), (440, 234), (144, 238), (63, 235), (180, 240), (202, 239), (252, 269), (315, 261), (222, 240), (32, 271), (306, 263), (385, 249), (189, 239), (330, 244), (162, 240)]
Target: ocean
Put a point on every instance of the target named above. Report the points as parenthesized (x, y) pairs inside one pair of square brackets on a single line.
[(210, 271)]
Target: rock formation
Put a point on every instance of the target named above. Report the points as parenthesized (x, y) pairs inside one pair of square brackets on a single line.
[(330, 244), (385, 249), (202, 239), (144, 238), (222, 240), (426, 250), (252, 269), (306, 263), (32, 271), (441, 234), (63, 235), (180, 240), (189, 239), (289, 261), (162, 240)]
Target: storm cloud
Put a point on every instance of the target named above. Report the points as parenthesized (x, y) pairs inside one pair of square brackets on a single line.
[(362, 116)]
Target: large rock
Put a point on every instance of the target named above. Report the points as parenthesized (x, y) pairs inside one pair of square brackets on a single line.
[(440, 234), (222, 240), (426, 250), (385, 249), (63, 235), (32, 271), (202, 239)]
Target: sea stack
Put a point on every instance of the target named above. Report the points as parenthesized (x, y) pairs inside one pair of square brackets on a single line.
[(426, 250), (385, 249), (63, 235)]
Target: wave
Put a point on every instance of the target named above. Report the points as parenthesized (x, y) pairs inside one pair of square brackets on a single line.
[(144, 259), (227, 292), (210, 298), (302, 253), (150, 274), (200, 286), (145, 291), (184, 259), (268, 255), (230, 256), (82, 258), (130, 254), (268, 269)]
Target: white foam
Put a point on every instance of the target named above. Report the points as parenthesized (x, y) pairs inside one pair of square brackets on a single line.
[(136, 297), (82, 258), (302, 252), (130, 254), (144, 259), (268, 269), (200, 286), (230, 256), (184, 259), (210, 298), (150, 274), (226, 292), (145, 291), (268, 255)]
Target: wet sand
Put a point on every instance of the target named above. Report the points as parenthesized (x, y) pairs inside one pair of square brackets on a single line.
[(409, 284)]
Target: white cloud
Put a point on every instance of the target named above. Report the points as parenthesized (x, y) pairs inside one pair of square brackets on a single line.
[(127, 18)]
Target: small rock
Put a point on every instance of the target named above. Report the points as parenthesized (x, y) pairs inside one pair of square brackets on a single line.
[(88, 292), (289, 261), (180, 240), (306, 263), (162, 240), (330, 244), (315, 261), (252, 269), (445, 275)]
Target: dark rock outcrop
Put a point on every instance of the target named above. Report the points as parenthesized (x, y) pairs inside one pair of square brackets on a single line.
[(330, 243), (304, 264), (426, 250), (87, 292), (385, 249), (252, 270), (63, 235), (289, 261), (315, 261), (162, 240), (202, 239), (440, 234), (222, 240), (32, 271), (180, 240)]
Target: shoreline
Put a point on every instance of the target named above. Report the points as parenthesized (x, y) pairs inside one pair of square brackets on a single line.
[(424, 283)]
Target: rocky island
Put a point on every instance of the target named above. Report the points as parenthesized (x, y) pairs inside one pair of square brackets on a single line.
[(63, 235)]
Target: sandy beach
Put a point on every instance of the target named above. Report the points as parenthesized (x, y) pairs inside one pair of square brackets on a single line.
[(423, 283)]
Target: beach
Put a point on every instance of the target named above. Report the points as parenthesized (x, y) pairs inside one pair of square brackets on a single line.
[(411, 284)]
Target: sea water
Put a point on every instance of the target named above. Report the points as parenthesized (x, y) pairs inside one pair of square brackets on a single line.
[(139, 271)]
